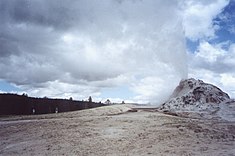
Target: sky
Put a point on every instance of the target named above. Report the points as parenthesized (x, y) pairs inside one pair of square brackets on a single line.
[(131, 50)]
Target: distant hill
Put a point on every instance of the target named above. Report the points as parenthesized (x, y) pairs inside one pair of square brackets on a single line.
[(13, 104)]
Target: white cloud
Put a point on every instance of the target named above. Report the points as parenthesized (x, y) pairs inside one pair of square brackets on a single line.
[(209, 53), (198, 18), (57, 89), (228, 79), (214, 57)]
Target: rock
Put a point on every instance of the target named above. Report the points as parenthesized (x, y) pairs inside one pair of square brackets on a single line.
[(193, 95)]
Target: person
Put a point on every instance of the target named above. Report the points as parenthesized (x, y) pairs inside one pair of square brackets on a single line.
[(33, 111), (56, 110)]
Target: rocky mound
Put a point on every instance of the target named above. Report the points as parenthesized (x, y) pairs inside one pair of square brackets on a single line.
[(196, 98)]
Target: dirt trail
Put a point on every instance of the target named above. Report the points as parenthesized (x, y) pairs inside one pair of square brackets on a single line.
[(114, 130)]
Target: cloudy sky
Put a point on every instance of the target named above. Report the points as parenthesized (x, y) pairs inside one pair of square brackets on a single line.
[(132, 50)]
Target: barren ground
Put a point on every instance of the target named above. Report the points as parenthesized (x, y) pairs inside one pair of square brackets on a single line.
[(113, 130)]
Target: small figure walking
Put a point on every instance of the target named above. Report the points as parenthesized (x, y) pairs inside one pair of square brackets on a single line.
[(56, 110), (33, 111)]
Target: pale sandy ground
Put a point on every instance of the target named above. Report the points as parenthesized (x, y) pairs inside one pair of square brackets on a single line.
[(111, 130)]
